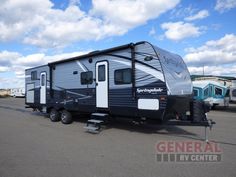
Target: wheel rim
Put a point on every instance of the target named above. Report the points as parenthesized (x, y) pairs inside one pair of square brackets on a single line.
[(52, 115), (63, 117)]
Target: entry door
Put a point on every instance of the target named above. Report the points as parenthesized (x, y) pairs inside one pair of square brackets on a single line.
[(43, 87), (102, 84)]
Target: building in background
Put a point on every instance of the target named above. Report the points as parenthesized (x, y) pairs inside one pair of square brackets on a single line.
[(5, 92), (224, 80)]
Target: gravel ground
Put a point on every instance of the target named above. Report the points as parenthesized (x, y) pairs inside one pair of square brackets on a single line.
[(33, 146)]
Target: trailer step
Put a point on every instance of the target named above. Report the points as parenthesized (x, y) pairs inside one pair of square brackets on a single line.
[(95, 121), (99, 116), (94, 125), (92, 129)]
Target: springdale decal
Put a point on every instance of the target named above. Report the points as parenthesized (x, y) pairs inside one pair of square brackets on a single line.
[(149, 90)]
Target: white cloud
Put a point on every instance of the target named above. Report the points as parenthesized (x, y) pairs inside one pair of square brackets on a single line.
[(6, 57), (9, 82), (38, 59), (152, 32), (131, 13), (214, 52), (225, 5), (4, 69), (217, 56), (179, 30), (200, 15), (38, 23), (17, 18), (19, 63), (74, 2), (181, 12)]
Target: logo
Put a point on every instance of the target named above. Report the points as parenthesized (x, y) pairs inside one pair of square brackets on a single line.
[(188, 151), (151, 91)]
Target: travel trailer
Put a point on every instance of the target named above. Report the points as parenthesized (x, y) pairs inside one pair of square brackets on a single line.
[(137, 80), (17, 92), (233, 91), (211, 92)]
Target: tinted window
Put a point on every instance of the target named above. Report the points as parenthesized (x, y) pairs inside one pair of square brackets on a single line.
[(33, 75), (86, 78), (234, 93), (101, 73), (43, 80), (227, 93), (210, 90), (123, 76), (218, 91), (206, 92), (75, 72), (195, 92)]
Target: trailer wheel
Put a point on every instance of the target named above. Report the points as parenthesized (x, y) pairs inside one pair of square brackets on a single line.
[(54, 115), (66, 117), (198, 111)]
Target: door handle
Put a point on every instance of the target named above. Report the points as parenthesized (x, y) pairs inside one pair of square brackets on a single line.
[(96, 84)]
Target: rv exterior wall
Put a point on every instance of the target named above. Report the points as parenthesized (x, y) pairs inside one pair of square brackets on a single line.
[(233, 83), (233, 94), (176, 73), (32, 84)]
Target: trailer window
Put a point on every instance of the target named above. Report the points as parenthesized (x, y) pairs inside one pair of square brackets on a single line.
[(210, 90), (101, 73), (123, 76), (227, 93), (34, 75), (43, 80), (86, 78), (195, 92), (218, 91), (234, 93), (206, 92)]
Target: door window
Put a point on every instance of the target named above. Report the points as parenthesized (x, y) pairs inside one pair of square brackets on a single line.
[(43, 80), (101, 73)]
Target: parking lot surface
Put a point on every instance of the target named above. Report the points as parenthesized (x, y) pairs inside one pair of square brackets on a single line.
[(33, 146)]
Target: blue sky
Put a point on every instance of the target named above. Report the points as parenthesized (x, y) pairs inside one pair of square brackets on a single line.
[(36, 32)]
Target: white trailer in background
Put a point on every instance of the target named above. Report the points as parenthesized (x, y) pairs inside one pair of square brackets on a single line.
[(18, 92), (233, 91)]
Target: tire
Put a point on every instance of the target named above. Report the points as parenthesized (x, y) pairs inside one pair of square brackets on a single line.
[(213, 107), (54, 115), (198, 111), (66, 117)]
